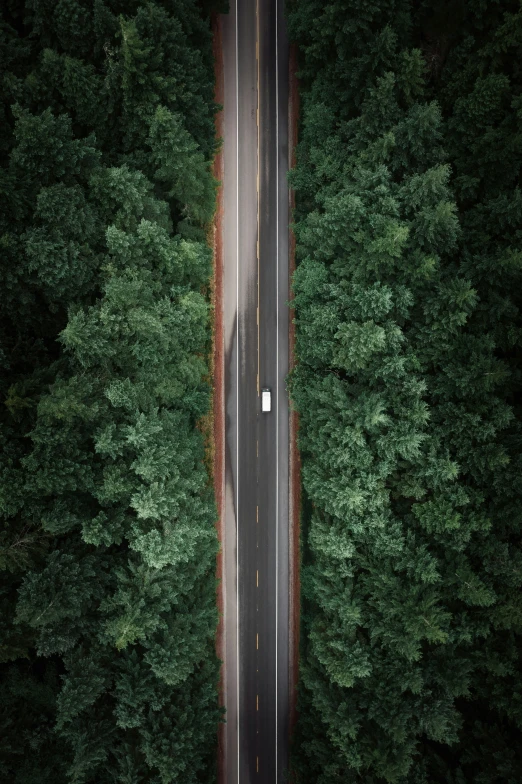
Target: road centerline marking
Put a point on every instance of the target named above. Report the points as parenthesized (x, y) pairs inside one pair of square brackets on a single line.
[(277, 380), (237, 392), (258, 198)]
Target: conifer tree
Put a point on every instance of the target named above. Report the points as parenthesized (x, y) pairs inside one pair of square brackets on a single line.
[(406, 385), (107, 544)]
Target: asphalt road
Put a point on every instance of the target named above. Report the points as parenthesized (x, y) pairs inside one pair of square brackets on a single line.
[(255, 54)]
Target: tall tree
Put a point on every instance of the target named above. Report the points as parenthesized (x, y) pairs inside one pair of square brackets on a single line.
[(107, 547), (406, 388)]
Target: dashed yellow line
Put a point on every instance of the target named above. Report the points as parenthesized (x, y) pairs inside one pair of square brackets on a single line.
[(258, 167)]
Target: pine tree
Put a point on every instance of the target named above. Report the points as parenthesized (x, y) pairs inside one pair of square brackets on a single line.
[(107, 549), (406, 388)]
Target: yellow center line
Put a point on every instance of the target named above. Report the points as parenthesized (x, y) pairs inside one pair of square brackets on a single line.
[(257, 702), (257, 764), (257, 642), (257, 578), (257, 177), (257, 514)]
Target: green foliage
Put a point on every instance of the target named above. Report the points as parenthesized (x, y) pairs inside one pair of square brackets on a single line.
[(107, 547), (407, 309), (181, 166)]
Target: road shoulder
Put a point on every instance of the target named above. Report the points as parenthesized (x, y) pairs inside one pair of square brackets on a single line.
[(295, 464), (218, 368)]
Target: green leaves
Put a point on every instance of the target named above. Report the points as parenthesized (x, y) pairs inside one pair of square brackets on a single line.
[(407, 306), (181, 166), (53, 600), (359, 342), (46, 151), (84, 683), (108, 544)]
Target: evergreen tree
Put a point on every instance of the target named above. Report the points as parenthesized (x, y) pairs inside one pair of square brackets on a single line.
[(107, 547), (408, 342)]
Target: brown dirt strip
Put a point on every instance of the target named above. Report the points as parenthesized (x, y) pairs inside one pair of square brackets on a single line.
[(218, 363), (295, 463)]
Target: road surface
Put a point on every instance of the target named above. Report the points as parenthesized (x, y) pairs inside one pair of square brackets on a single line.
[(255, 234)]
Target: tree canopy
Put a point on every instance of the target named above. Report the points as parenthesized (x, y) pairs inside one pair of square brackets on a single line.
[(107, 544), (407, 306)]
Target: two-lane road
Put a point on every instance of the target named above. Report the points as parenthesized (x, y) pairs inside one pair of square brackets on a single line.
[(255, 54)]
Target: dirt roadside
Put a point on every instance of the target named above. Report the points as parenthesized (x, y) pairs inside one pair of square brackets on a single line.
[(295, 463), (218, 367)]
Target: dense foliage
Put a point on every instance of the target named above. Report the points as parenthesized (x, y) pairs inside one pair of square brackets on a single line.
[(107, 545), (407, 303)]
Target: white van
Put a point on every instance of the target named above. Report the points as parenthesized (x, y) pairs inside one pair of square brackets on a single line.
[(266, 400)]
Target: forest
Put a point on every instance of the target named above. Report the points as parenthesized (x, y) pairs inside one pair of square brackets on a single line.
[(107, 546), (408, 291)]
